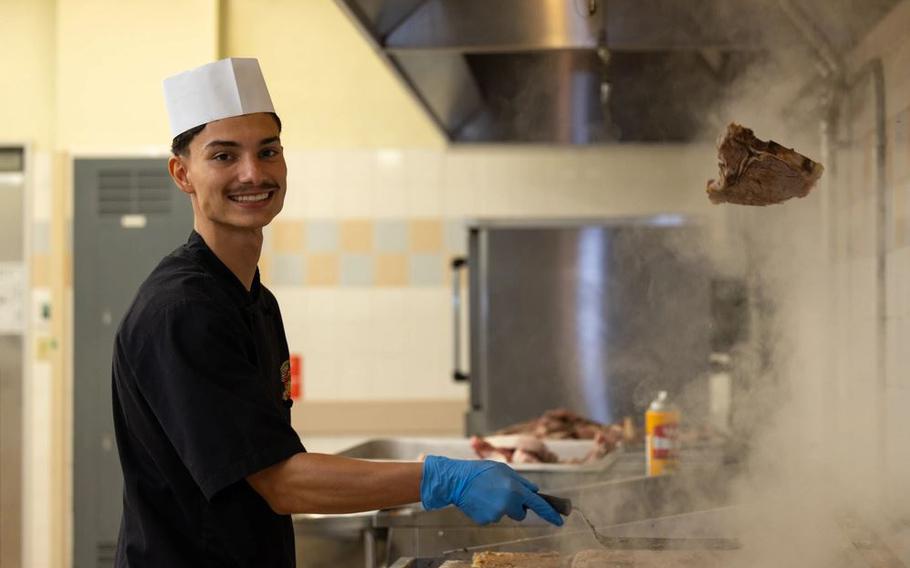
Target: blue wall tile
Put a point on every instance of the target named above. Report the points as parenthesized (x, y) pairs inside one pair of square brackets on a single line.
[(357, 270), (391, 236), (425, 270), (287, 269), (322, 236)]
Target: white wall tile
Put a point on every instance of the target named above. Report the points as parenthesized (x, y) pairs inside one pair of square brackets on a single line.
[(897, 457), (893, 350), (319, 191), (390, 198), (423, 180), (321, 200), (295, 199), (321, 377), (460, 185), (355, 185), (902, 281)]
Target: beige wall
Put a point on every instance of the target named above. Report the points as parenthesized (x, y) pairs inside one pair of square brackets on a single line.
[(840, 421), (329, 87), (27, 71), (877, 406), (111, 57)]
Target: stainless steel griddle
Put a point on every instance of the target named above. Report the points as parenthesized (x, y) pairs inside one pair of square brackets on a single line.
[(625, 496), (679, 532), (862, 547)]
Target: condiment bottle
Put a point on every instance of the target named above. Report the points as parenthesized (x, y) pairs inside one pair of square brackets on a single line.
[(661, 436)]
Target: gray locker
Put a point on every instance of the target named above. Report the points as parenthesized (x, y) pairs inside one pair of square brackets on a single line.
[(128, 214)]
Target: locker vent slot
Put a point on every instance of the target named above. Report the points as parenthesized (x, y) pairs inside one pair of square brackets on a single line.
[(12, 159), (134, 192), (106, 551)]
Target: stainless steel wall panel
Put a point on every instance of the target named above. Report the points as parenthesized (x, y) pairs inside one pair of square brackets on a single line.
[(592, 317)]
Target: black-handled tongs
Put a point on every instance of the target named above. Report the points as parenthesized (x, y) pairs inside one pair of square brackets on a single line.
[(562, 505)]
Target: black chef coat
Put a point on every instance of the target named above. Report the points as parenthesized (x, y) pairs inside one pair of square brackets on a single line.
[(201, 400)]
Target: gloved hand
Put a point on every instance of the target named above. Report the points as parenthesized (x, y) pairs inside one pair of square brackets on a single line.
[(484, 490)]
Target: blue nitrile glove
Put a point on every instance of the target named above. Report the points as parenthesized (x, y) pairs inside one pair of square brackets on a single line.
[(484, 490)]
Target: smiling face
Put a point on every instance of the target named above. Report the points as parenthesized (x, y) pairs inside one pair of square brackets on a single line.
[(234, 172)]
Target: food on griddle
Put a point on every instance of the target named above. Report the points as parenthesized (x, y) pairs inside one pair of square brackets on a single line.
[(755, 172), (516, 560), (649, 559)]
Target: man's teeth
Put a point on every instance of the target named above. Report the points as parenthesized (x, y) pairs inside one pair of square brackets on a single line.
[(253, 197)]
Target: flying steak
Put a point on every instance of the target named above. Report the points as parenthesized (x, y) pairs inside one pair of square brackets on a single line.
[(755, 172)]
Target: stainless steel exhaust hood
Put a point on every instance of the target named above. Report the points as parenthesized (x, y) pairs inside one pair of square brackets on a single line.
[(591, 71)]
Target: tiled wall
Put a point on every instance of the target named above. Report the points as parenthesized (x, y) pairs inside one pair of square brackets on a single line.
[(855, 269), (359, 258), (819, 259), (385, 253)]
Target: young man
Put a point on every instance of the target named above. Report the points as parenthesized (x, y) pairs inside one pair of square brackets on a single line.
[(212, 468)]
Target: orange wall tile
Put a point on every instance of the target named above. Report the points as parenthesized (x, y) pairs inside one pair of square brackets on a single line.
[(287, 236), (426, 235), (357, 235), (391, 270), (40, 270), (265, 264), (321, 270)]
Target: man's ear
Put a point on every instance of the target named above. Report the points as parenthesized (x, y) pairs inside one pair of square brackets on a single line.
[(180, 174)]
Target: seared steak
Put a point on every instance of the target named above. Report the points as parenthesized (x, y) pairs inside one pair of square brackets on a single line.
[(755, 172), (516, 560)]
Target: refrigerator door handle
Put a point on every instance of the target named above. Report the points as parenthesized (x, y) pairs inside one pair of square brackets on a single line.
[(459, 264)]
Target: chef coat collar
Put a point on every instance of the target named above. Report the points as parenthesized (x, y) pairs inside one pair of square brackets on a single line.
[(210, 260)]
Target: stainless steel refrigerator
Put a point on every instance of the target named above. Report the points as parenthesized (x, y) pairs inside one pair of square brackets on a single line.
[(593, 316)]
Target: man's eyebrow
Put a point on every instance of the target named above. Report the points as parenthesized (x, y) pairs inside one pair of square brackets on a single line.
[(230, 143)]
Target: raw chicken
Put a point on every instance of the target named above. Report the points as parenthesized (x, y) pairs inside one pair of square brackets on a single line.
[(558, 424), (487, 451), (527, 449)]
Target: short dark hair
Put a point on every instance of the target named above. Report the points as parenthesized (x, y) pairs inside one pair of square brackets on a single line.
[(180, 145)]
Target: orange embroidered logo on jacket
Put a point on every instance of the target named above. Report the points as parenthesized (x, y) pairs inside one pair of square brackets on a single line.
[(286, 380)]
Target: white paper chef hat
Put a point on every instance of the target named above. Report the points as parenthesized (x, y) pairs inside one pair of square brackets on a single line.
[(226, 88)]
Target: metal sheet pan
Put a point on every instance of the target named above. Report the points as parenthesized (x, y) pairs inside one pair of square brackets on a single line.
[(413, 448)]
